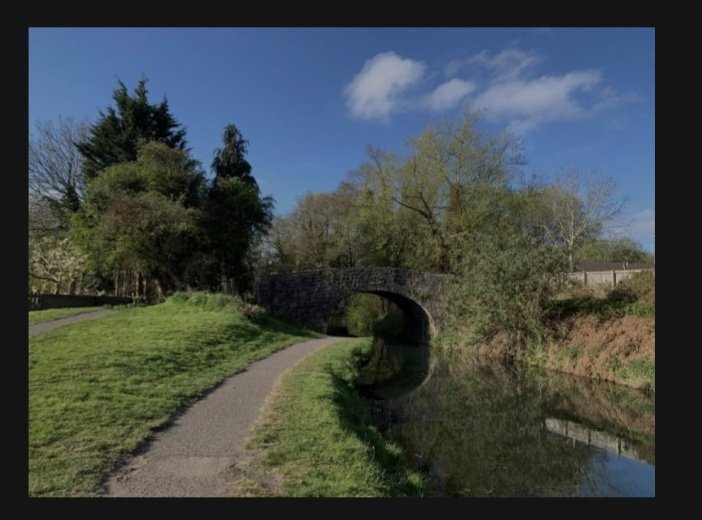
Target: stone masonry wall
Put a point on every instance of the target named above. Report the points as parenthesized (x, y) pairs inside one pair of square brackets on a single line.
[(309, 297)]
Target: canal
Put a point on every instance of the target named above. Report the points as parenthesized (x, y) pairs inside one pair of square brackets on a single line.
[(485, 428)]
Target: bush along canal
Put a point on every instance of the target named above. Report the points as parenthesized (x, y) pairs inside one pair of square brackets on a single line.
[(476, 427)]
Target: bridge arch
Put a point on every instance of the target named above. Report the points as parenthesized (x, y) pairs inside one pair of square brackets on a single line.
[(310, 297)]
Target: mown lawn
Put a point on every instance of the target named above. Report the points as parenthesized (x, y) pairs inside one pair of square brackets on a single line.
[(98, 388), (317, 438), (54, 314)]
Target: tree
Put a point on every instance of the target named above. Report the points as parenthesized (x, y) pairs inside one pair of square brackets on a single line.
[(445, 188), (42, 218), (55, 177), (578, 207), (320, 232), (236, 215), (230, 160), (504, 286), (612, 250), (141, 219), (149, 234), (55, 265), (235, 219), (119, 132)]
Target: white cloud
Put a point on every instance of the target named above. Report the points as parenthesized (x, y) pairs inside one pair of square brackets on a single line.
[(509, 63), (504, 86), (376, 91), (449, 94), (528, 103)]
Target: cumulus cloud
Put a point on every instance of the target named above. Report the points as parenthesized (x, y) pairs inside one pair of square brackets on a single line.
[(376, 91), (449, 94), (504, 86), (528, 103)]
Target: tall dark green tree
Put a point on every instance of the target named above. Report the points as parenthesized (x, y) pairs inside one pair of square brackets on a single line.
[(141, 219), (230, 160), (119, 132), (237, 216)]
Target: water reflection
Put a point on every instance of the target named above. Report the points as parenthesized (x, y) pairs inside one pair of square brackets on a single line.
[(477, 428)]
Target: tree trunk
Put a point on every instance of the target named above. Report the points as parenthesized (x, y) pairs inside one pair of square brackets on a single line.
[(571, 263)]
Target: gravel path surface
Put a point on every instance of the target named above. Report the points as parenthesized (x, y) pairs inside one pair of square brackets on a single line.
[(54, 324), (191, 457)]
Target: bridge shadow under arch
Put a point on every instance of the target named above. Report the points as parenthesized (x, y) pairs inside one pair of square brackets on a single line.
[(310, 297), (417, 321)]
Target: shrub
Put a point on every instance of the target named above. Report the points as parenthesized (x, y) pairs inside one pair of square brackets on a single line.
[(506, 288)]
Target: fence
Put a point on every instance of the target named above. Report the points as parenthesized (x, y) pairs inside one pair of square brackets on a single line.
[(611, 277), (55, 301)]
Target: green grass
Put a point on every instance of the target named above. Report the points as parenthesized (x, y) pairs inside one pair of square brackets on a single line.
[(640, 370), (318, 437), (97, 389), (570, 353), (54, 314)]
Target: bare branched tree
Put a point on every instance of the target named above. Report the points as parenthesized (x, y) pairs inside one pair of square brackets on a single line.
[(580, 207), (55, 163)]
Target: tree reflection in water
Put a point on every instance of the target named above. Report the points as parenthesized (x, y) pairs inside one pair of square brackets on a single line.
[(478, 428)]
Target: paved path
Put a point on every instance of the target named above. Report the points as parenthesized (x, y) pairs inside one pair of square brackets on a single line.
[(54, 324), (191, 458)]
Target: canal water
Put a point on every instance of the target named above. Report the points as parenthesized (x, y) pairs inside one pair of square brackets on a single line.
[(480, 428)]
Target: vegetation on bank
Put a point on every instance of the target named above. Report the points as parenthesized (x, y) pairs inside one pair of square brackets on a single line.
[(634, 296), (316, 437), (99, 388), (601, 333), (55, 314), (121, 206)]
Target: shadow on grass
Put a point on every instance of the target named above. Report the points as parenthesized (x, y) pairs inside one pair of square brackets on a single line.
[(234, 333), (274, 324), (356, 418)]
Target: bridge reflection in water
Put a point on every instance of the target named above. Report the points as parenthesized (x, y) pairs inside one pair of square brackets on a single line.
[(591, 437)]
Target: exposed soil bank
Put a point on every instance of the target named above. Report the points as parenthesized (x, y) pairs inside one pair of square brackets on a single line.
[(618, 349), (614, 349)]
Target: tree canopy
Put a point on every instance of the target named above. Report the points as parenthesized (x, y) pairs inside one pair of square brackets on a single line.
[(236, 215), (119, 131)]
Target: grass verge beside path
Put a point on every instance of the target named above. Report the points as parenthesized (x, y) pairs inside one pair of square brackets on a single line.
[(97, 389), (316, 437), (55, 314)]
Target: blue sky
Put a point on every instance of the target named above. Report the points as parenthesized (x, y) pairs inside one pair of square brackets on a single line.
[(311, 100)]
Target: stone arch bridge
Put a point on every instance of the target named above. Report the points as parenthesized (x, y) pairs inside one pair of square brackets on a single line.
[(310, 297)]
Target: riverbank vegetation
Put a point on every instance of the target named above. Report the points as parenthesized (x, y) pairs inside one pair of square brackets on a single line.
[(603, 334), (456, 201), (600, 333), (316, 437), (98, 389)]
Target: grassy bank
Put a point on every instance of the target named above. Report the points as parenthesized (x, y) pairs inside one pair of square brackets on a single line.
[(98, 388), (601, 333), (619, 349), (316, 437), (55, 314)]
